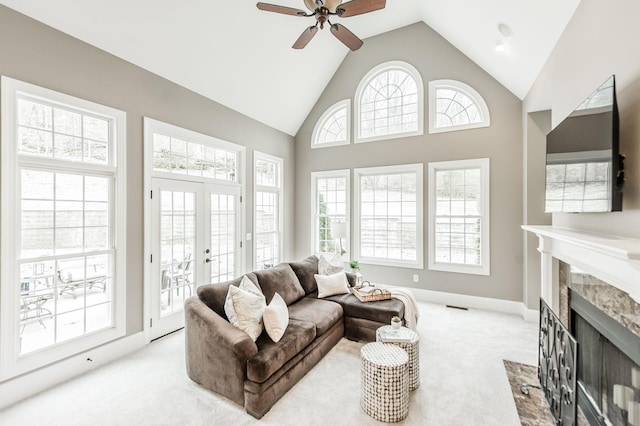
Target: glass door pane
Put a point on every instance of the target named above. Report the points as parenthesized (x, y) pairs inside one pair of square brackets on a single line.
[(177, 248), (224, 236)]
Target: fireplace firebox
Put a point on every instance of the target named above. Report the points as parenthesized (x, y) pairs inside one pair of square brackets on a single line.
[(608, 370)]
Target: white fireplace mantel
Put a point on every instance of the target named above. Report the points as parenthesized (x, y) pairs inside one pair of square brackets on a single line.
[(615, 260)]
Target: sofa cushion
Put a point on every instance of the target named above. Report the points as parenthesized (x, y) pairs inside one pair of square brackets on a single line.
[(214, 295), (322, 313), (380, 311), (271, 356), (304, 270), (281, 279)]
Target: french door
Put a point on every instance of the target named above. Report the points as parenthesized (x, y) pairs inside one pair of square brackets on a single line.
[(195, 239)]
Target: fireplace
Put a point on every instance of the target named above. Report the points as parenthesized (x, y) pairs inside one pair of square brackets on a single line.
[(604, 321), (592, 283)]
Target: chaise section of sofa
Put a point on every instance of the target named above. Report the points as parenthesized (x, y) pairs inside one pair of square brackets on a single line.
[(226, 360)]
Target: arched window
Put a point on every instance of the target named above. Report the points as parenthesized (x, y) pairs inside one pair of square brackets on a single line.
[(601, 97), (389, 103), (454, 105), (333, 127)]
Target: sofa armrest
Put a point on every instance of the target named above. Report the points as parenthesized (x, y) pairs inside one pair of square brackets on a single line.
[(351, 278), (216, 351)]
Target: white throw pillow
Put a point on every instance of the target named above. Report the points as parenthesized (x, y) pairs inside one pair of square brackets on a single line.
[(329, 285), (329, 267), (276, 318), (247, 308), (245, 284)]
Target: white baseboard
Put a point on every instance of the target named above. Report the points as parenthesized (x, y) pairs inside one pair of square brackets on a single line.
[(29, 384), (476, 302), (531, 315)]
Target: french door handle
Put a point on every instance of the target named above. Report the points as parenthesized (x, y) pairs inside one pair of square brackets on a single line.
[(209, 259)]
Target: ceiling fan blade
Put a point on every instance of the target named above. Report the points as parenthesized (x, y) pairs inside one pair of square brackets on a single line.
[(305, 37), (358, 7), (347, 37), (281, 9)]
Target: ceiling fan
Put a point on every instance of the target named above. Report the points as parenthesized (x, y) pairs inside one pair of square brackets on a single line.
[(322, 10)]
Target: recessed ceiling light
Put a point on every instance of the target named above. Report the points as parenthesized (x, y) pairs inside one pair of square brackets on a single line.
[(504, 30), (500, 46)]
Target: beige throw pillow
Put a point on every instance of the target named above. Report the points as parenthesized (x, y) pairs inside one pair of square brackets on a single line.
[(245, 284), (328, 267), (276, 318), (244, 307), (329, 285)]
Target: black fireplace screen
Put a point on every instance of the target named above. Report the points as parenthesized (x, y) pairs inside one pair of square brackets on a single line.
[(556, 366)]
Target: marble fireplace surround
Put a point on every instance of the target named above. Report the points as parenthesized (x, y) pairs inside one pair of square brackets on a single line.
[(614, 260)]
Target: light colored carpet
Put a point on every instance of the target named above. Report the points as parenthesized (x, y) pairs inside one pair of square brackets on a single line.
[(462, 382)]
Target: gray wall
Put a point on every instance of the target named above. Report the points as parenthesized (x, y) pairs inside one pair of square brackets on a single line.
[(434, 58), (38, 54), (600, 40)]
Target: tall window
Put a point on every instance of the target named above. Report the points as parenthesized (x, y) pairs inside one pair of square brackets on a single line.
[(454, 105), (459, 216), (332, 129), (330, 210), (62, 237), (268, 210), (388, 212), (389, 103)]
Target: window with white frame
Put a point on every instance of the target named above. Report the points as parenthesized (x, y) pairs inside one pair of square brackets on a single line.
[(63, 175), (330, 197), (268, 210), (333, 127), (388, 215), (459, 216), (179, 156), (389, 103), (454, 105)]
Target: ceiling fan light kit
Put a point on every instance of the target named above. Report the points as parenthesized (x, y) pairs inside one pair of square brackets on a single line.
[(321, 10)]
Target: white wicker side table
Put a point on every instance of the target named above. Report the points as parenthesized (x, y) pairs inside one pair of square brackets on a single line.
[(384, 393), (413, 349)]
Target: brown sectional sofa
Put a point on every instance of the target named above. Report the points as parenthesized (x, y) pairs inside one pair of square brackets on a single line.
[(225, 360)]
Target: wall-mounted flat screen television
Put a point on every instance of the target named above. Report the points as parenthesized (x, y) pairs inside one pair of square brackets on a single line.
[(584, 170)]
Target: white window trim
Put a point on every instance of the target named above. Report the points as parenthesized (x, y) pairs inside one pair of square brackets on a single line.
[(346, 103), (345, 173), (485, 259), (467, 90), (369, 171), (11, 362), (257, 155), (387, 66), (152, 126)]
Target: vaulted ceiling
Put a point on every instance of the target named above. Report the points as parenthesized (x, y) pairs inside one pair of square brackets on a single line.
[(241, 57)]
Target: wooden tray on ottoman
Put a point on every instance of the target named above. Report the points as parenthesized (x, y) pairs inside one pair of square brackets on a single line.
[(372, 295)]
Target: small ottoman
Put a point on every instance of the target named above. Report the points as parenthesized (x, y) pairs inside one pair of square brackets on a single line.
[(412, 347), (384, 393)]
